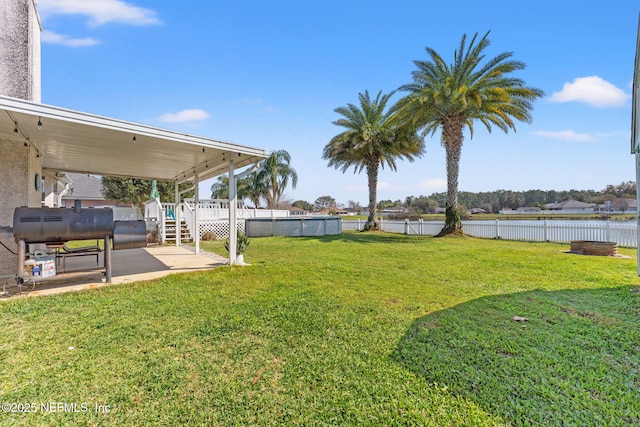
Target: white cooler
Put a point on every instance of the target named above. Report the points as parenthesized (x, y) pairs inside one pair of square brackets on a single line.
[(42, 266)]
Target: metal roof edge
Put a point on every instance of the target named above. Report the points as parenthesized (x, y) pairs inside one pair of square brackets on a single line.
[(64, 114)]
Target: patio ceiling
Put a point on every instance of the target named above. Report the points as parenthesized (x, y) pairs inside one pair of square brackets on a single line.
[(72, 141)]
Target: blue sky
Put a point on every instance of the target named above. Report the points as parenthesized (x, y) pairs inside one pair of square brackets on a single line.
[(270, 74)]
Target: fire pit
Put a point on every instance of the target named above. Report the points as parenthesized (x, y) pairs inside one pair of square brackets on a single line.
[(591, 247)]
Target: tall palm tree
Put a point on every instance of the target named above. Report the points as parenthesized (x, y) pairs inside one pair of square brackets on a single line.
[(373, 138), (275, 174), (451, 97), (220, 188), (255, 188)]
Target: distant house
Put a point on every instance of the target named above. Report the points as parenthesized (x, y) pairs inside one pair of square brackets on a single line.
[(624, 205), (573, 206), (477, 211), (86, 188), (392, 210), (297, 212), (521, 210), (331, 211), (529, 210)]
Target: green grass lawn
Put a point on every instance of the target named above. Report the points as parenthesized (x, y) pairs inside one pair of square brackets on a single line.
[(358, 329)]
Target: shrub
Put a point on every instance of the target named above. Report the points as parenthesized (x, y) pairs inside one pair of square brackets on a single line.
[(242, 243), (209, 235)]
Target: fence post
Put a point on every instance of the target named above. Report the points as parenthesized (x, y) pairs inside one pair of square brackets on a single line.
[(608, 232), (420, 229), (497, 228), (546, 233), (406, 226)]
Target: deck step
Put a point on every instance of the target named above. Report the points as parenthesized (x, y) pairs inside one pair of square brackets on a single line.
[(170, 231)]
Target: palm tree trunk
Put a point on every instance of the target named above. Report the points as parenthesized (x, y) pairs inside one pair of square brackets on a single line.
[(269, 195), (372, 175), (452, 138)]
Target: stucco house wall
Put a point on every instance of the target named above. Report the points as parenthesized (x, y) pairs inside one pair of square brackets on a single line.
[(20, 165), (20, 69), (15, 172), (19, 78)]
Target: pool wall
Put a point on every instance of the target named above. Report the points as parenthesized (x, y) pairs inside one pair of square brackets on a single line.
[(293, 227)]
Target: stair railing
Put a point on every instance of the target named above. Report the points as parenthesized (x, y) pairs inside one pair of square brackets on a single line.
[(189, 215), (168, 212)]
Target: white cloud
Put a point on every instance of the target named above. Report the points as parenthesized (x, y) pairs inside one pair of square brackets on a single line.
[(566, 135), (593, 91), (55, 38), (99, 12), (184, 116), (433, 185)]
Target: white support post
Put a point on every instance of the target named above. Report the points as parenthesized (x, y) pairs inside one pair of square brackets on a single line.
[(233, 214), (638, 209), (196, 213), (178, 215), (163, 226)]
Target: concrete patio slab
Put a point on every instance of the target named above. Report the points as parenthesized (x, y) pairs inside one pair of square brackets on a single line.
[(130, 265)]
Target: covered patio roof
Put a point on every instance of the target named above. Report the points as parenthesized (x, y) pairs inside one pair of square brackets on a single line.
[(72, 141)]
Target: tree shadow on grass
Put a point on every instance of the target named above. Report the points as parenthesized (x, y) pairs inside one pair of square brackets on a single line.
[(364, 238), (575, 361)]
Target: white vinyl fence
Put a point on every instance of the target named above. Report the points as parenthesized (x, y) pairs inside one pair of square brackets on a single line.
[(621, 232)]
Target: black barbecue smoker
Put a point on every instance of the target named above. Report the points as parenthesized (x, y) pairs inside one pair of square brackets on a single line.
[(57, 226)]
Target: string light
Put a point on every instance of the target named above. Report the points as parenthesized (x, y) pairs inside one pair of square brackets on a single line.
[(39, 123), (15, 129), (134, 138)]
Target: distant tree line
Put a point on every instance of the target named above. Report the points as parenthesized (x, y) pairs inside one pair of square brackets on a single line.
[(491, 201), (494, 201)]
